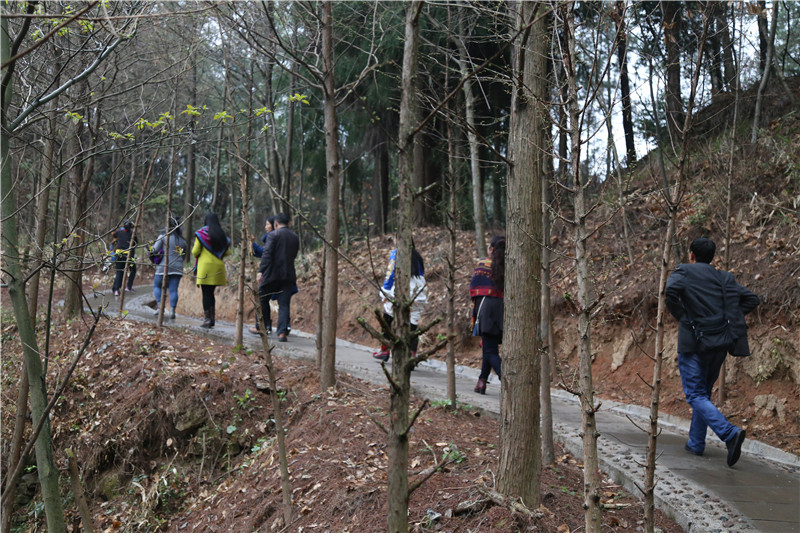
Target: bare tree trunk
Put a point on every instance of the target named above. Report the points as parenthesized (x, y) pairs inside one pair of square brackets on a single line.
[(42, 208), (764, 73), (672, 13), (729, 67), (217, 165), (520, 444), (79, 182), (331, 297), (15, 279), (77, 492), (450, 185), (624, 83), (585, 303), (286, 486), (400, 378), (191, 169), (167, 226), (472, 138), (545, 327), (728, 211)]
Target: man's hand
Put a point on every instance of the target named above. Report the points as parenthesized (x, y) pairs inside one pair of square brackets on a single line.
[(258, 279)]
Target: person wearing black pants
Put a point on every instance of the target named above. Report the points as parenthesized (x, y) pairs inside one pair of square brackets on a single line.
[(486, 291), (211, 245), (276, 273), (124, 251)]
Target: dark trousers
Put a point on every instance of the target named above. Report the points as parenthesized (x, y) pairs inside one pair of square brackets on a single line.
[(119, 264), (284, 298), (264, 297), (209, 300), (414, 343), (491, 355)]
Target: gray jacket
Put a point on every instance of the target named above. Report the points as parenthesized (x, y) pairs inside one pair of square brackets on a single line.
[(694, 294), (177, 250)]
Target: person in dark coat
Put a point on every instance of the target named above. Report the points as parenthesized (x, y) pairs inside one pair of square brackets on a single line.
[(124, 252), (258, 251), (701, 297), (486, 291), (277, 275)]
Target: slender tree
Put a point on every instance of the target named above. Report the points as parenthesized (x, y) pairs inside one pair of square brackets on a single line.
[(331, 289)]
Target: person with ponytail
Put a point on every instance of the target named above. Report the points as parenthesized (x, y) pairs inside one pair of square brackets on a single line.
[(418, 290), (211, 244), (486, 292)]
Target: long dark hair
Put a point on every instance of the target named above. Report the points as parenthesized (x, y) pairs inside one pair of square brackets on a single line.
[(174, 227), (417, 265), (216, 235), (498, 246)]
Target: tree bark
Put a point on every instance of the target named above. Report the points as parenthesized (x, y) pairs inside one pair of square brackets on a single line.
[(625, 84), (400, 380), (672, 13), (472, 138), (331, 297), (520, 444), (585, 302), (45, 463)]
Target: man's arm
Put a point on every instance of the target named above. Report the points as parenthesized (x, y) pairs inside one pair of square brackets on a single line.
[(747, 300), (675, 284)]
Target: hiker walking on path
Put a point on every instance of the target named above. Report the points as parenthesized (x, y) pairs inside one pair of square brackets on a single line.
[(419, 291), (258, 251), (710, 307), (211, 244), (172, 262), (276, 274), (124, 251), (486, 292)]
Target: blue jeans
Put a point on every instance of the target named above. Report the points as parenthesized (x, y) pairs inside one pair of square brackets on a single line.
[(698, 374), (173, 280)]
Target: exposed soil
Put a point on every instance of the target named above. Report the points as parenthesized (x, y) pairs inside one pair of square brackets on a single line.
[(176, 433)]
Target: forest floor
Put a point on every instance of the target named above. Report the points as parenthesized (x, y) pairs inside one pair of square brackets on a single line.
[(175, 432)]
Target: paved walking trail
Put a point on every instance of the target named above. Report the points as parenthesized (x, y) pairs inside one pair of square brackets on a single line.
[(702, 494)]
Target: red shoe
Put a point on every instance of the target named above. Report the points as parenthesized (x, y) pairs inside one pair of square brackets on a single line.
[(382, 354), (480, 388)]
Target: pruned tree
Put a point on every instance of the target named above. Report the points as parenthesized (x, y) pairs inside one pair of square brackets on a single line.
[(520, 448)]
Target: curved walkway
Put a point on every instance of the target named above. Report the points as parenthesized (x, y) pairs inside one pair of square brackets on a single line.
[(702, 494)]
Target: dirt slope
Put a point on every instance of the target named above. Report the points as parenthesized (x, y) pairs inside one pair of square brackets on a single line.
[(176, 433)]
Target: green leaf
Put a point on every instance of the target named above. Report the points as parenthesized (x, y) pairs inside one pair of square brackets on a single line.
[(231, 429)]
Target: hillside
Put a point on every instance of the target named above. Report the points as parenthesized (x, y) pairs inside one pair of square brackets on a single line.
[(764, 256)]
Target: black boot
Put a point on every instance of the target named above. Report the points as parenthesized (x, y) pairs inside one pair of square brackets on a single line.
[(213, 315), (208, 322)]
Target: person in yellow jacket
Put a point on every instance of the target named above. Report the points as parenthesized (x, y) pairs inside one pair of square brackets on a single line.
[(210, 246)]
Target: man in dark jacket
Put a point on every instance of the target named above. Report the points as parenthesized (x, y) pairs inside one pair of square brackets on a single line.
[(700, 296), (124, 251), (276, 273)]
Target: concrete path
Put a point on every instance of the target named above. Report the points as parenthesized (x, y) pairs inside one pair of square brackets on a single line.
[(702, 494)]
